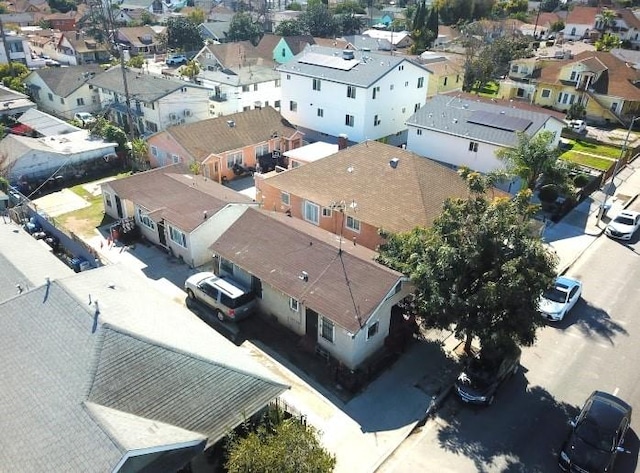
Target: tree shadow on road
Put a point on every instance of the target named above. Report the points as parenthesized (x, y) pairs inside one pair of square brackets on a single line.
[(593, 322)]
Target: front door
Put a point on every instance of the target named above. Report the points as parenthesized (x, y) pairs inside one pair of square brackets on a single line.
[(311, 326), (161, 235), (119, 207)]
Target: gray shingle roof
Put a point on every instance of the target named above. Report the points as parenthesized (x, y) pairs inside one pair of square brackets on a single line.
[(370, 67), (63, 81), (46, 124), (450, 114)]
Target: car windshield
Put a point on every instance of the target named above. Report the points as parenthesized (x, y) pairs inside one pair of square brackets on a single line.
[(623, 220), (592, 434), (555, 295)]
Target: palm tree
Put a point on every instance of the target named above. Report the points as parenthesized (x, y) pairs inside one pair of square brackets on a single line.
[(139, 150), (608, 19), (190, 70)]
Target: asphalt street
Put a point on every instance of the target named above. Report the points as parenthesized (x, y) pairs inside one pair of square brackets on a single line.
[(595, 347)]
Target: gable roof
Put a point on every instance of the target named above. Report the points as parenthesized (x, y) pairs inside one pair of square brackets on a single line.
[(235, 55), (69, 370), (460, 116), (581, 15), (84, 44), (45, 124), (365, 68), (608, 65), (135, 34), (345, 285), (177, 196), (145, 87), (367, 43), (630, 19), (410, 195), (63, 81), (215, 135)]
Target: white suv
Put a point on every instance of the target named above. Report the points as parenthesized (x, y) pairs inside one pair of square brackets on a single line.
[(176, 59)]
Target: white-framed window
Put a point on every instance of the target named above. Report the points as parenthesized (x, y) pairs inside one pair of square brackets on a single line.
[(293, 106), (255, 87), (226, 266), (80, 101), (50, 95), (391, 87), (406, 83), (419, 131), (62, 100), (372, 329), (376, 92), (177, 236), (573, 76), (376, 120), (107, 199), (277, 83), (351, 92), (234, 158), (352, 223), (144, 219), (349, 120), (401, 67), (416, 107), (294, 305), (285, 198), (546, 93), (473, 146), (328, 330), (154, 151), (420, 82), (175, 158), (317, 84), (262, 150), (311, 212), (326, 211), (288, 76), (320, 112)]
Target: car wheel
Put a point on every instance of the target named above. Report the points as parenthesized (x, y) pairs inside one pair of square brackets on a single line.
[(220, 316), (190, 294)]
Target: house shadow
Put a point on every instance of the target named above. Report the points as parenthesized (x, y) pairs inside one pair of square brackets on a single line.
[(571, 225), (593, 322)]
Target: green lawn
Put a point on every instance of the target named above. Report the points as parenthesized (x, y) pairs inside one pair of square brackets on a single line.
[(599, 149), (586, 160)]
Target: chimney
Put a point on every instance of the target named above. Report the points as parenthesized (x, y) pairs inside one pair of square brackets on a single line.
[(343, 141), (394, 163)]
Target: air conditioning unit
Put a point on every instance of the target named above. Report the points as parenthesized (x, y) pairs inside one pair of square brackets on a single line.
[(187, 113), (181, 121), (173, 117)]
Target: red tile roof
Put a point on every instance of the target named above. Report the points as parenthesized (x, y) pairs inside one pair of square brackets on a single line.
[(580, 15)]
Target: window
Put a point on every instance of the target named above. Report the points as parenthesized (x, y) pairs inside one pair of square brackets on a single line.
[(61, 100), (401, 67), (316, 84), (293, 106), (326, 211), (283, 52), (348, 120), (514, 68), (246, 109), (234, 158), (175, 158), (391, 87), (473, 146), (277, 82), (285, 198), (353, 224), (80, 102), (376, 120), (154, 151), (144, 219), (445, 81), (226, 266), (262, 150), (294, 305), (351, 92), (372, 330), (546, 93), (311, 212), (245, 88), (177, 236), (288, 76), (406, 84), (255, 87), (376, 92), (419, 132), (416, 107), (153, 127), (420, 82), (457, 78), (320, 113), (573, 76), (107, 199), (327, 330), (614, 107), (50, 96)]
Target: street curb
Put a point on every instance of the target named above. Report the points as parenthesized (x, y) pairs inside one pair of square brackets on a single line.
[(568, 266)]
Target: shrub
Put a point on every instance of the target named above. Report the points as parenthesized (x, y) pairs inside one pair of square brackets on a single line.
[(548, 193), (581, 180)]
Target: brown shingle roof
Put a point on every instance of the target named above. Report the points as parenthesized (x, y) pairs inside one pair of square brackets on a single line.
[(216, 136), (580, 15), (174, 194), (395, 200), (275, 248), (239, 54), (629, 18)]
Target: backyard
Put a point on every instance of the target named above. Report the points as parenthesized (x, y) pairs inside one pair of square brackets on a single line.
[(596, 156)]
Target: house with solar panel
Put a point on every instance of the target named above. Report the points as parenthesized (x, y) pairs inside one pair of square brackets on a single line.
[(328, 92), (459, 130)]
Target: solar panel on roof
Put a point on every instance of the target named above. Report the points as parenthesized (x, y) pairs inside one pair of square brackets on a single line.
[(501, 121), (332, 62)]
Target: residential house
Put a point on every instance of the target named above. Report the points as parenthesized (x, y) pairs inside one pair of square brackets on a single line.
[(543, 24), (283, 48), (309, 153), (447, 71), (581, 23), (130, 393), (625, 25), (216, 26), (446, 35), (64, 91), (153, 102), (34, 160), (139, 40), (76, 49), (128, 17), (399, 39), (40, 124), (367, 43), (460, 130), (20, 19), (13, 103), (327, 92), (277, 17), (605, 85), (28, 6), (19, 50), (62, 21), (175, 209), (334, 296), (252, 139), (362, 191), (157, 7)]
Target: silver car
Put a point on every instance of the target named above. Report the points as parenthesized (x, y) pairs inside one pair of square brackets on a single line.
[(560, 299), (228, 299)]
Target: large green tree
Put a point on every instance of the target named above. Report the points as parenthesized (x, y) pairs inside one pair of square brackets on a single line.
[(290, 28), (478, 270), (288, 447), (607, 42), (182, 34), (319, 21), (243, 28)]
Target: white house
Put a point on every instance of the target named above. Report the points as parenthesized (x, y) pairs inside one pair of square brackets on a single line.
[(175, 209), (580, 22), (13, 103), (35, 159), (19, 50), (327, 92), (155, 102), (460, 131), (335, 297), (65, 91)]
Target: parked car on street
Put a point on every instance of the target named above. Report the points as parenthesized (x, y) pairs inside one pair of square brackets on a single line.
[(597, 435), (175, 59), (485, 373), (624, 225), (228, 299), (556, 302), (84, 118), (578, 126)]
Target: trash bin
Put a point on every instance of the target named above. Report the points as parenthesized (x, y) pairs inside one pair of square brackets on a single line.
[(76, 264), (604, 208)]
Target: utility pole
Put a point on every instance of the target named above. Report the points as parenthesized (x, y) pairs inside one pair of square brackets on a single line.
[(127, 99)]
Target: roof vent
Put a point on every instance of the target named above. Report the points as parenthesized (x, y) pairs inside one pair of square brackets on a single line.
[(501, 112), (231, 123), (394, 163), (347, 55)]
